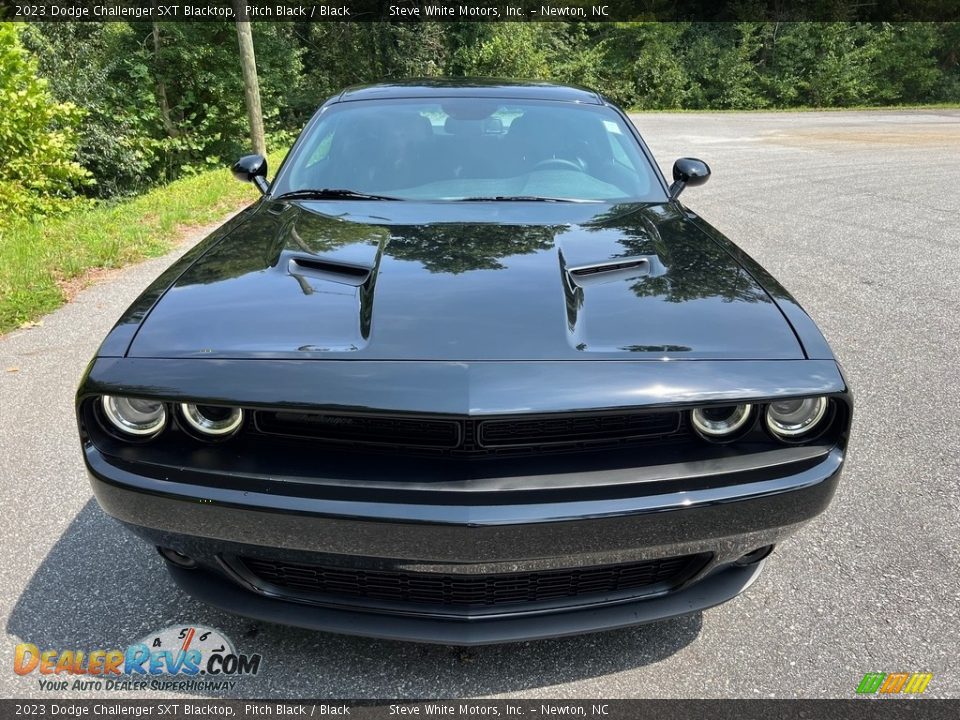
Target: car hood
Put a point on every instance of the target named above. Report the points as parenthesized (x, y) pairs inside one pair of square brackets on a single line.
[(466, 281)]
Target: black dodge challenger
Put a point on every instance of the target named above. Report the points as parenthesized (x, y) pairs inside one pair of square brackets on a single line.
[(467, 372)]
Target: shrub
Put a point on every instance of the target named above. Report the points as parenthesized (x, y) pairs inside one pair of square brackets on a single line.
[(38, 138)]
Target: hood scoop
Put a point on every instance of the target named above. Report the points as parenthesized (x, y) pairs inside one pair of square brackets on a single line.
[(315, 247), (328, 269), (614, 269)]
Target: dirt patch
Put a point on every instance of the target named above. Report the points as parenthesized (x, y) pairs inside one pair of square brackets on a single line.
[(70, 287)]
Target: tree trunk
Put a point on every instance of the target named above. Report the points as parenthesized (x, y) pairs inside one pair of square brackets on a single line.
[(168, 125), (251, 85)]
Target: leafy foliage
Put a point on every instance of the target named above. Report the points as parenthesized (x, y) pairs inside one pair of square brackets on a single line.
[(38, 174), (523, 50)]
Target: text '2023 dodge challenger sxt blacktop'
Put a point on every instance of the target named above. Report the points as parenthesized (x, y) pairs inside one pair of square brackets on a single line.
[(468, 372)]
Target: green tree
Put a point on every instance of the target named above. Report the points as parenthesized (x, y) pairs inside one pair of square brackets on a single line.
[(647, 64), (580, 56), (37, 138), (906, 66), (337, 55), (117, 143), (166, 99), (725, 63), (824, 64), (199, 89), (513, 50)]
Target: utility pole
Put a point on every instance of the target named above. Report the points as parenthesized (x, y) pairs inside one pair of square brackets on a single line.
[(251, 85)]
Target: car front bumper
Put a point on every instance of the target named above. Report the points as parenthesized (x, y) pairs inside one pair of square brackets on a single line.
[(214, 525)]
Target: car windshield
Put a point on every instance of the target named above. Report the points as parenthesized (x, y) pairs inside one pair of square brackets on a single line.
[(470, 149)]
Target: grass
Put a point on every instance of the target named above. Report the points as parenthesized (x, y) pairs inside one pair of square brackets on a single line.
[(40, 261)]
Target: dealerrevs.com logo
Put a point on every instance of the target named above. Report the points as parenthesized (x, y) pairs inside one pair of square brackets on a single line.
[(175, 658)]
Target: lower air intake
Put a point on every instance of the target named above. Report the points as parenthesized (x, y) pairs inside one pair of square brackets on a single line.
[(471, 591)]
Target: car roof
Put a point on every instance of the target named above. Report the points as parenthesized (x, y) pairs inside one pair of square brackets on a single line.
[(471, 87)]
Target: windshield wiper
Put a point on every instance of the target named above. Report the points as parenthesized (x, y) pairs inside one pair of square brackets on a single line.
[(330, 194), (521, 198)]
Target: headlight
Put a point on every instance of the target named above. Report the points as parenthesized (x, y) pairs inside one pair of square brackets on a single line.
[(721, 423), (212, 420), (134, 416), (788, 419)]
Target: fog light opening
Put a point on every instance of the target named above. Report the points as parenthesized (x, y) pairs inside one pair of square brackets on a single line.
[(754, 556), (177, 558)]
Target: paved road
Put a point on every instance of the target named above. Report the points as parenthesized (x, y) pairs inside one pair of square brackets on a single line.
[(858, 214)]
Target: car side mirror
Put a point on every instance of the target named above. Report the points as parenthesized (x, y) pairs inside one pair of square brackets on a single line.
[(252, 168), (688, 171)]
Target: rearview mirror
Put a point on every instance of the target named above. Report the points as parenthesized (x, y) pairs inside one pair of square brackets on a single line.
[(252, 168), (688, 171)]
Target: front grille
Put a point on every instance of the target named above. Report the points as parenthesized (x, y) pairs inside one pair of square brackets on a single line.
[(475, 436), (471, 591), (372, 429), (576, 429)]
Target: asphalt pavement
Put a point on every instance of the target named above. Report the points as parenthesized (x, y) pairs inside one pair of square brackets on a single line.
[(857, 213)]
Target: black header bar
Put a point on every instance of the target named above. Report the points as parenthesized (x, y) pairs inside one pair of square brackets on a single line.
[(479, 10)]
